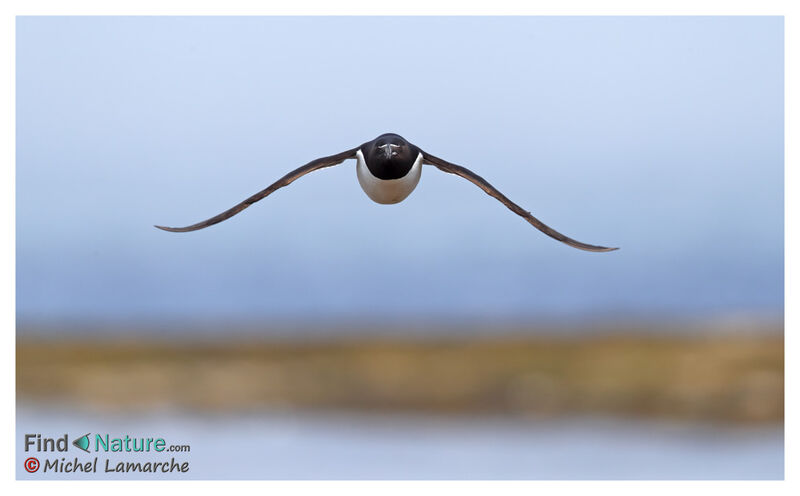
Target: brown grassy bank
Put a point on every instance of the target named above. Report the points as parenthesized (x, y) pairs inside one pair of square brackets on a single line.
[(718, 378)]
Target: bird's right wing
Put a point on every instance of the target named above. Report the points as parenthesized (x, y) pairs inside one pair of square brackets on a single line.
[(286, 180), (480, 182)]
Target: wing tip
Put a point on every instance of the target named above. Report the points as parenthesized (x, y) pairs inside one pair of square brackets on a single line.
[(601, 249), (587, 247), (168, 229)]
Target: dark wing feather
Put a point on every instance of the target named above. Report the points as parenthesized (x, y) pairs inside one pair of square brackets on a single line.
[(491, 191), (286, 180)]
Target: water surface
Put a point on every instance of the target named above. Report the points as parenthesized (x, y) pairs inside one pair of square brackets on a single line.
[(347, 446)]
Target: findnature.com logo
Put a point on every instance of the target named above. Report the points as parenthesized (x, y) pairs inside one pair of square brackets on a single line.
[(104, 445)]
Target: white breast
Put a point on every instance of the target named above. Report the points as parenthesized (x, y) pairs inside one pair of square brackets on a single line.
[(387, 191)]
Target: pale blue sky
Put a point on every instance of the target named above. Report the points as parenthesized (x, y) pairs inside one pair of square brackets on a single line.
[(663, 136)]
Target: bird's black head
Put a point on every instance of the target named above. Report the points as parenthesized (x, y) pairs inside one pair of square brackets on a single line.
[(389, 156)]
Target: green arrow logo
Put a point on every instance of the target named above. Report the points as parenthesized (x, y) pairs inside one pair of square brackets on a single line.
[(82, 442)]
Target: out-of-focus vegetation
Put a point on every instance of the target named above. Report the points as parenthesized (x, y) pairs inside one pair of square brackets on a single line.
[(737, 378)]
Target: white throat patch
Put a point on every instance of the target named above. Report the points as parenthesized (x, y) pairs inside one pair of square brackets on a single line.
[(387, 191)]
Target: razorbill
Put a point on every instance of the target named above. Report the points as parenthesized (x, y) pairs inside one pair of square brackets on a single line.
[(388, 169)]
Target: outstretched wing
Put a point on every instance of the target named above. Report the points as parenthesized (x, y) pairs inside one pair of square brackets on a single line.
[(492, 191), (286, 180)]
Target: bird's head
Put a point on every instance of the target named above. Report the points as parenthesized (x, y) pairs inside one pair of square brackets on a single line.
[(388, 151)]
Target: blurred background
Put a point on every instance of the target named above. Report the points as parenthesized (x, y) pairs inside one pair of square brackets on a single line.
[(320, 335)]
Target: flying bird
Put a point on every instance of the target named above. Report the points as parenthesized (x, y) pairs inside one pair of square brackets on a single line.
[(388, 170)]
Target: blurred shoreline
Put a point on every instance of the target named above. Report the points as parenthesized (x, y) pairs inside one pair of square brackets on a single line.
[(420, 327), (732, 377)]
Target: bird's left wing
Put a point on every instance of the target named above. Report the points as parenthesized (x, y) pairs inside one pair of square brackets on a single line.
[(480, 182), (286, 180)]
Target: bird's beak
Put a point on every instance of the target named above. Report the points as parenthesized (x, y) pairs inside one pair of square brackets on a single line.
[(388, 150)]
